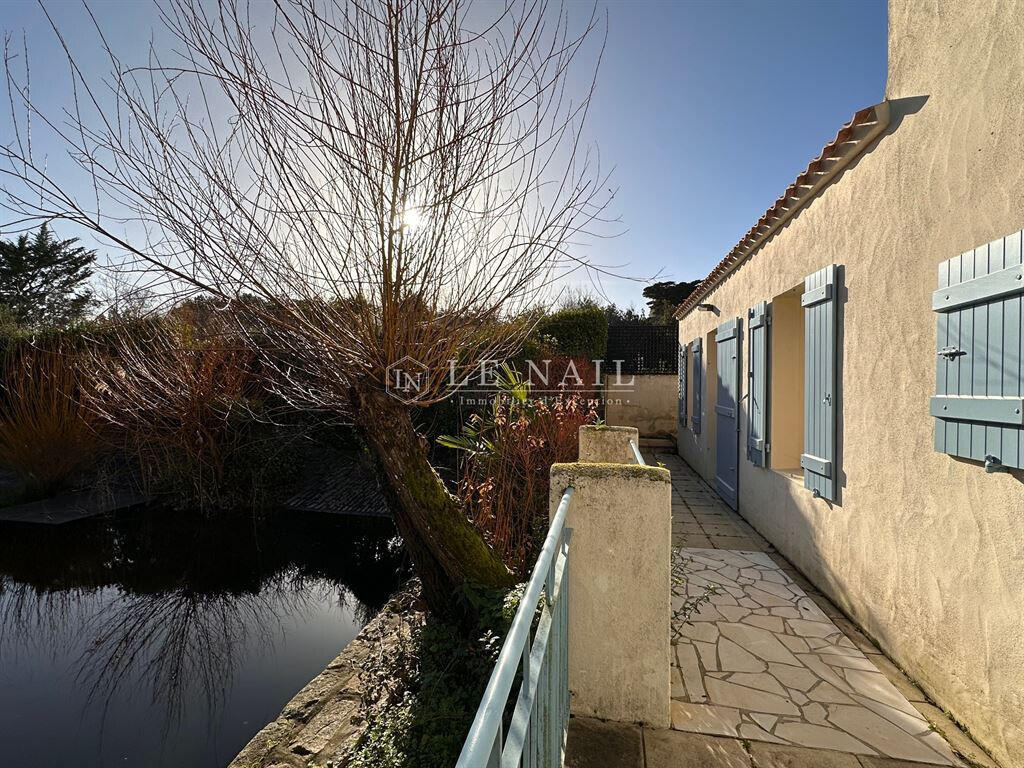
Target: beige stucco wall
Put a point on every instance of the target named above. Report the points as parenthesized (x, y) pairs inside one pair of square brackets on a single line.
[(925, 551), (649, 403), (786, 392), (619, 581)]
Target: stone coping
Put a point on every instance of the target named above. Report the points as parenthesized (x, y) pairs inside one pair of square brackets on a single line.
[(600, 470), (607, 428)]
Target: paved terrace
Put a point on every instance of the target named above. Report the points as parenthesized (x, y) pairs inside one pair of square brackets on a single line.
[(767, 673)]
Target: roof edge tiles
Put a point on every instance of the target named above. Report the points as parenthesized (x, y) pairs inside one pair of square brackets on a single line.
[(853, 138)]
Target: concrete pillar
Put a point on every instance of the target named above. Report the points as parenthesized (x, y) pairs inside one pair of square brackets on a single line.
[(619, 589), (601, 443)]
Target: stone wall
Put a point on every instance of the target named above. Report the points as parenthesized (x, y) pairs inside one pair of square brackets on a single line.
[(326, 720), (650, 403), (620, 516)]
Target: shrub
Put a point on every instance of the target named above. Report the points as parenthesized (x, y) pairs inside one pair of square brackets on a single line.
[(579, 331), (572, 375), (509, 453), (47, 435)]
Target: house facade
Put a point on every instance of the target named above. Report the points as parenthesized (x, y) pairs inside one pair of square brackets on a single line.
[(852, 373)]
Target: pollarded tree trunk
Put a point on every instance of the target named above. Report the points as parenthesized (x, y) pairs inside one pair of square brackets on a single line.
[(445, 547)]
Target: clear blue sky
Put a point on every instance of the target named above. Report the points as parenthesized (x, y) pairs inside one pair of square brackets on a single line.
[(707, 110), (710, 110)]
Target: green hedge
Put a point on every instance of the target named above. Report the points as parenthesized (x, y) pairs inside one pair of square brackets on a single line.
[(576, 331), (92, 331)]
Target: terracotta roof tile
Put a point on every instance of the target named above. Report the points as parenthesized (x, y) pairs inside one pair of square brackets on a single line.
[(850, 141)]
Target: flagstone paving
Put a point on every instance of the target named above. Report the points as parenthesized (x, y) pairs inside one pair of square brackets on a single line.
[(766, 671), (760, 660)]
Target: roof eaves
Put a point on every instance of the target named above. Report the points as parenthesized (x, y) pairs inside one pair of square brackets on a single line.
[(851, 140)]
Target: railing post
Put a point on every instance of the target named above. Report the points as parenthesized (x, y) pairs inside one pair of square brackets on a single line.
[(603, 444), (618, 617)]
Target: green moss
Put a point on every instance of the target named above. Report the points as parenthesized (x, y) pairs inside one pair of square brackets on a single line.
[(616, 471), (479, 563), (608, 428)]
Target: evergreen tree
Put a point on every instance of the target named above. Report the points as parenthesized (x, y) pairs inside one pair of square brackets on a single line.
[(629, 316), (664, 297), (43, 280)]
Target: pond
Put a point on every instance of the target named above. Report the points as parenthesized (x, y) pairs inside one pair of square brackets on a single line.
[(159, 638)]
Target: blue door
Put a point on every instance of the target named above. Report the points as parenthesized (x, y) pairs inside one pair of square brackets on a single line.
[(727, 417)]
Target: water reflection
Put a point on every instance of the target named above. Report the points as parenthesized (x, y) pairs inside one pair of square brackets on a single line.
[(175, 615)]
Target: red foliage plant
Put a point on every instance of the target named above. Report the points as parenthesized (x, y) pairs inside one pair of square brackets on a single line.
[(576, 375), (505, 476)]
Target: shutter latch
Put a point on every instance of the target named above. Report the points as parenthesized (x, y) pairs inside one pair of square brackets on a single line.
[(951, 353), (993, 464)]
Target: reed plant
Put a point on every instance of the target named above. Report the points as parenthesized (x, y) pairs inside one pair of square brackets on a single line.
[(48, 434), (178, 398)]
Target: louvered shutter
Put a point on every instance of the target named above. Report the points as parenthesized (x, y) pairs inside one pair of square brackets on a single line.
[(978, 405), (682, 387), (698, 375), (757, 387), (820, 404)]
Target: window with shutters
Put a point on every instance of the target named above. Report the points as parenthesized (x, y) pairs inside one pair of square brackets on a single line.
[(979, 398), (728, 392), (786, 383)]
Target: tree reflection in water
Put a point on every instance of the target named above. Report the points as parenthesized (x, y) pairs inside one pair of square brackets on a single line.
[(171, 603)]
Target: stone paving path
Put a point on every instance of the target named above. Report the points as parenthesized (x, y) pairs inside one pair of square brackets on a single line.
[(762, 661), (767, 673)]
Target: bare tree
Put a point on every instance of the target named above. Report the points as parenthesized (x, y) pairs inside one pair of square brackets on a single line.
[(388, 179)]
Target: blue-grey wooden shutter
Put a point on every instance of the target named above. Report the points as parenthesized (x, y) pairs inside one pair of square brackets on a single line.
[(682, 387), (978, 405), (728, 390), (698, 374), (757, 386), (819, 457)]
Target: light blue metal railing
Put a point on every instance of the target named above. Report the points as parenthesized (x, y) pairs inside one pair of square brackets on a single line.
[(636, 454), (537, 729)]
